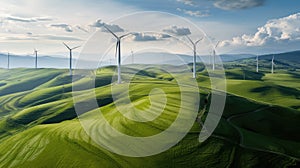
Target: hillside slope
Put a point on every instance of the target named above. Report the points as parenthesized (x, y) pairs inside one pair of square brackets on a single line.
[(39, 126)]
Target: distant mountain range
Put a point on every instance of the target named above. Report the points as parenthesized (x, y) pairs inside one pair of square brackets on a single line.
[(288, 59), (17, 61), (293, 56)]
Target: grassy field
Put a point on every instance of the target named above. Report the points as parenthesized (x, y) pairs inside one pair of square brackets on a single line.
[(281, 88), (39, 126)]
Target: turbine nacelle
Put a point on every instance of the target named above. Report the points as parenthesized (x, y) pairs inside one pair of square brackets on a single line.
[(71, 48), (194, 43)]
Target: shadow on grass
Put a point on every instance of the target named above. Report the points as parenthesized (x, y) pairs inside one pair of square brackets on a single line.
[(285, 91)]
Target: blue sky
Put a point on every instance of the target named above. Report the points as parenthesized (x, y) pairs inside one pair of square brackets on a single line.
[(271, 9), (242, 26)]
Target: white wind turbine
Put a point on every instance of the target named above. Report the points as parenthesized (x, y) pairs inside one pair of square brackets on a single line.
[(273, 63), (70, 49), (195, 54), (257, 63), (8, 60), (118, 50), (35, 52), (214, 56)]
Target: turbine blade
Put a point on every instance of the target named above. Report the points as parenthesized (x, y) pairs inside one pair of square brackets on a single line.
[(124, 35), (116, 52), (75, 47), (67, 46), (111, 32), (198, 41), (217, 44), (190, 40)]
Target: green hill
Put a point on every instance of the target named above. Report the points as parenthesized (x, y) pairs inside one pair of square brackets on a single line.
[(39, 126), (284, 57)]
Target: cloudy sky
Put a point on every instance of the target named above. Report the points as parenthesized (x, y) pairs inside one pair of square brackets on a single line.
[(241, 26)]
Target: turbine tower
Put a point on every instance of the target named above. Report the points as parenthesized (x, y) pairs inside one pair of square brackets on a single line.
[(35, 52), (195, 54), (214, 56), (257, 63), (272, 70), (8, 59), (118, 50), (70, 49)]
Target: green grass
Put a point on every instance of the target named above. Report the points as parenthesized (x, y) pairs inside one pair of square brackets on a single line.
[(15, 82), (265, 92), (39, 126)]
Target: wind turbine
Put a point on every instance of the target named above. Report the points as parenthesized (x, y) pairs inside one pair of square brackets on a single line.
[(70, 49), (35, 52), (257, 63), (132, 57), (195, 54), (214, 55), (8, 59), (272, 70), (118, 50)]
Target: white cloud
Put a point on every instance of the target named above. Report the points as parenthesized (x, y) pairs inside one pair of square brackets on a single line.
[(81, 13), (19, 38), (64, 26), (59, 38), (27, 20), (148, 37), (274, 33), (187, 2), (30, 36), (196, 13), (227, 4), (179, 31), (238, 4), (100, 24)]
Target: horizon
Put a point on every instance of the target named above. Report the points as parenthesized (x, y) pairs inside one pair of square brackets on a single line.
[(147, 58), (190, 55)]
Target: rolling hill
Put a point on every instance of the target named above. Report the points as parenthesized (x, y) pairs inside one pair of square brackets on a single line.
[(284, 61), (282, 57), (39, 126)]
